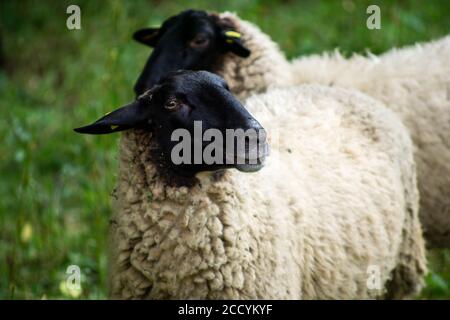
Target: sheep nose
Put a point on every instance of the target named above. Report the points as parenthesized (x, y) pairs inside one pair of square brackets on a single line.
[(251, 123), (260, 135)]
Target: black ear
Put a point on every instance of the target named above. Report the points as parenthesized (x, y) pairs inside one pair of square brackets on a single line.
[(124, 118), (147, 36), (234, 44)]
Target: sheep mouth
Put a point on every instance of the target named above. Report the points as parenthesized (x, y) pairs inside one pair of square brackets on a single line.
[(247, 163)]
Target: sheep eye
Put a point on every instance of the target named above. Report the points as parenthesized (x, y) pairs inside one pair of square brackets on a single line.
[(199, 41), (171, 105)]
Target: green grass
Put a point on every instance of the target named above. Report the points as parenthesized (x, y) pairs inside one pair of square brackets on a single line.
[(55, 185)]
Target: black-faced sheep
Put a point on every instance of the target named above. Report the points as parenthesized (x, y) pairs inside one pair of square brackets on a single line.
[(412, 81), (332, 214), (237, 50)]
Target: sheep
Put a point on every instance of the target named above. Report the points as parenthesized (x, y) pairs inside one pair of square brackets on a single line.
[(335, 199), (235, 49), (415, 83)]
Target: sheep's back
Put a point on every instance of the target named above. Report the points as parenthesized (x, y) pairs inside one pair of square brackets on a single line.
[(414, 82), (342, 163)]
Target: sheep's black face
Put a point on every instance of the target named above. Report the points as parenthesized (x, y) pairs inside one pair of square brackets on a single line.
[(191, 40), (199, 124)]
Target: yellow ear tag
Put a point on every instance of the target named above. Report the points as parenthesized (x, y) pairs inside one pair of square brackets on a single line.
[(113, 127), (233, 34)]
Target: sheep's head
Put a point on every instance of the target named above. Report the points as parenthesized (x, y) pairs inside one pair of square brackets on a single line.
[(199, 125), (191, 40)]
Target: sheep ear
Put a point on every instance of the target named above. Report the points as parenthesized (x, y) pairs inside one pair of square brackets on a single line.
[(147, 36), (234, 44), (127, 117)]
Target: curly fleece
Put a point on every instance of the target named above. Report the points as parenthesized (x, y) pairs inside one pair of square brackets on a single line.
[(266, 66), (415, 83), (337, 196)]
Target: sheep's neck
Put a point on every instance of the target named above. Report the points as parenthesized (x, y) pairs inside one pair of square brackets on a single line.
[(144, 171), (168, 230)]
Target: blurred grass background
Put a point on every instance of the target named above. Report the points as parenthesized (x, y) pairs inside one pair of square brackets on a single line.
[(55, 185)]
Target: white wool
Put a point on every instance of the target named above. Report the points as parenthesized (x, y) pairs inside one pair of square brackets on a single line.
[(265, 68), (414, 82), (337, 197)]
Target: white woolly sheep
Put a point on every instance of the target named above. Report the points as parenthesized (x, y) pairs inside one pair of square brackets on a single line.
[(415, 83), (337, 199)]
